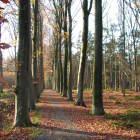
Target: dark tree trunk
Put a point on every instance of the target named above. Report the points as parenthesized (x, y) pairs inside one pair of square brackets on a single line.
[(59, 67), (31, 87), (55, 65), (35, 60), (135, 63), (123, 73), (41, 56), (23, 74), (1, 73), (70, 53), (97, 90), (82, 64), (59, 74), (1, 70), (65, 88)]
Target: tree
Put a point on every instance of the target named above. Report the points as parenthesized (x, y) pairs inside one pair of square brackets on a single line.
[(58, 6), (1, 72), (23, 74), (70, 52), (86, 12), (66, 50), (97, 108), (41, 55), (123, 33), (35, 48)]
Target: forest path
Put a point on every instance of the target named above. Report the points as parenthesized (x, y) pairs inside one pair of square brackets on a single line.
[(56, 121)]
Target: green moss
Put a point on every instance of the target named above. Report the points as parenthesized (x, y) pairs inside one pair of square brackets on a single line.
[(4, 95), (36, 118), (35, 132), (136, 98)]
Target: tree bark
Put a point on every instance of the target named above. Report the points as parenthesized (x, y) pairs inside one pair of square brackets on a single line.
[(59, 68), (35, 60), (97, 108), (65, 88), (83, 54), (41, 56), (23, 74), (123, 74), (70, 53), (1, 72)]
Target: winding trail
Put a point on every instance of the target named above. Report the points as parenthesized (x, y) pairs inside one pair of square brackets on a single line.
[(56, 121)]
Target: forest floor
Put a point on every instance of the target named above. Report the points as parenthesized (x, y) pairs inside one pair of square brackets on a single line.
[(56, 118)]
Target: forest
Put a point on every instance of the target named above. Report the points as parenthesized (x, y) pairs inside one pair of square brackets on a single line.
[(69, 69)]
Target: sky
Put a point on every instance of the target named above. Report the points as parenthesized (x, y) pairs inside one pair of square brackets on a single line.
[(110, 14)]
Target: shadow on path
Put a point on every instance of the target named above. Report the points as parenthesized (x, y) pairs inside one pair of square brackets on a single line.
[(52, 110), (53, 133)]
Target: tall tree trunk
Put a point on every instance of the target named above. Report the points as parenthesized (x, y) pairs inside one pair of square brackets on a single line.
[(58, 5), (65, 88), (110, 72), (35, 49), (41, 56), (130, 67), (83, 54), (55, 65), (97, 108), (70, 53), (115, 73), (23, 74), (123, 74), (1, 70), (135, 63), (31, 87), (1, 73), (59, 67), (105, 87)]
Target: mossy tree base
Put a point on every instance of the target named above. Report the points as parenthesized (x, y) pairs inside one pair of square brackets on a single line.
[(99, 111), (21, 123)]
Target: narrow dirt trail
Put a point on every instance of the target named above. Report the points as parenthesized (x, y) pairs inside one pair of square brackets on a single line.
[(56, 121)]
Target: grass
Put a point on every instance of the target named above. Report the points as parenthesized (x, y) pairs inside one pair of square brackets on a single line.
[(4, 95), (36, 121), (130, 119), (136, 98)]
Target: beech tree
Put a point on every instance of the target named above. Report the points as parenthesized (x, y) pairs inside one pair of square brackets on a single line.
[(35, 48), (97, 108), (23, 73), (70, 52), (58, 10), (86, 13), (65, 87)]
